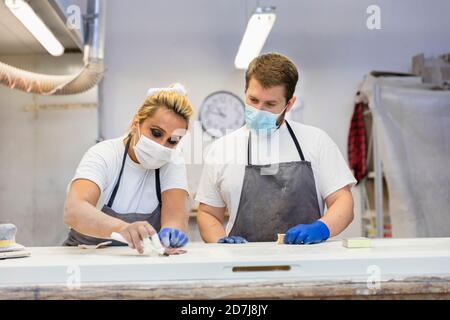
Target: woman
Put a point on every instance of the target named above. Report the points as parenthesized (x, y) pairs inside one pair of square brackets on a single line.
[(134, 185)]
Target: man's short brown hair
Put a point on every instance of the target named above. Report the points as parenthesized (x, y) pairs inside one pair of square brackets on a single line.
[(273, 69)]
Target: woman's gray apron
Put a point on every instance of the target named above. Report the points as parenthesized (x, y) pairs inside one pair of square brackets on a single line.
[(273, 203), (75, 238)]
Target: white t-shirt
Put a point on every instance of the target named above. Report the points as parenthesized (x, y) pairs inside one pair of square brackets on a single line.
[(223, 173), (137, 190)]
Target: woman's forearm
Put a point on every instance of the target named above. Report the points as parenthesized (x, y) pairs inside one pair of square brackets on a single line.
[(178, 220), (174, 210), (87, 219)]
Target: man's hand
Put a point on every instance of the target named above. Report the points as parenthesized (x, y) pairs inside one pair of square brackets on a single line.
[(307, 233), (171, 237)]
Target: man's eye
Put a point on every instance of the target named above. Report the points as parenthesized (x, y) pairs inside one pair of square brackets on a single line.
[(156, 133)]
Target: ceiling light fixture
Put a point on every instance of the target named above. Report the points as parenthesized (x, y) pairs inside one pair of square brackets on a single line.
[(26, 15), (258, 29)]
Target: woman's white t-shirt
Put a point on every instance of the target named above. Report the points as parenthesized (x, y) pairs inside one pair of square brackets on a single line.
[(223, 173), (137, 190)]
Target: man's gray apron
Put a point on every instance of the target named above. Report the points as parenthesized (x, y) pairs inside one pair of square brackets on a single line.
[(273, 203), (75, 238)]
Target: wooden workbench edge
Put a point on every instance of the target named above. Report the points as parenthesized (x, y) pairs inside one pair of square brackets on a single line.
[(412, 288)]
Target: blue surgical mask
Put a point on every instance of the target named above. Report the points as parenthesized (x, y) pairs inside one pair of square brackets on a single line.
[(259, 119)]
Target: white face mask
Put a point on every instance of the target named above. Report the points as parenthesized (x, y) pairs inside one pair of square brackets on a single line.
[(150, 154)]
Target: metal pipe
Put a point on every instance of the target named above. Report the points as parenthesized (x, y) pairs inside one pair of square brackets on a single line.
[(85, 79), (377, 167)]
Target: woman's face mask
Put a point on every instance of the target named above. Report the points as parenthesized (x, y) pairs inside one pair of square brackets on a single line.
[(150, 154)]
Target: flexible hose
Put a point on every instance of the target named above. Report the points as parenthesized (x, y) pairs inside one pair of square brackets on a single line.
[(44, 84)]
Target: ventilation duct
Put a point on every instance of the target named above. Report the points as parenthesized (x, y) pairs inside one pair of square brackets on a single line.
[(85, 79)]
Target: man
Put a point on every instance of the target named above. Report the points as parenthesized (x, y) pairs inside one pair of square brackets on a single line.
[(284, 190)]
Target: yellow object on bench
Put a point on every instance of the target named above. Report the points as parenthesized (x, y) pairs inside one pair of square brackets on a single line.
[(359, 242), (280, 239)]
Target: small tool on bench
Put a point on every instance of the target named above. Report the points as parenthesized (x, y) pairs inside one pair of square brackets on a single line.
[(280, 239), (8, 246), (101, 245)]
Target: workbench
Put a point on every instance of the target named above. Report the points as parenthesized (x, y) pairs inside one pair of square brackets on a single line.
[(391, 268)]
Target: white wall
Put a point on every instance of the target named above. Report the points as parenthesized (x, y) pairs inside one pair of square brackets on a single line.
[(155, 43), (40, 151)]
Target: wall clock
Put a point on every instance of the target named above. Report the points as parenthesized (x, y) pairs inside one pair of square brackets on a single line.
[(222, 112)]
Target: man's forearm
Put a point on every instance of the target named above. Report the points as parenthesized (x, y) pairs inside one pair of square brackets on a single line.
[(211, 229), (339, 215)]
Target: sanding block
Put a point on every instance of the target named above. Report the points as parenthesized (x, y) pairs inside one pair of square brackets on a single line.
[(359, 242)]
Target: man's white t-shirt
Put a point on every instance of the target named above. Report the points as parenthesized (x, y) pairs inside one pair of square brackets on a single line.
[(223, 173), (137, 190)]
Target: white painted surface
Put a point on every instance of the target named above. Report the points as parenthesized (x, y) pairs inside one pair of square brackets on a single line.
[(394, 259)]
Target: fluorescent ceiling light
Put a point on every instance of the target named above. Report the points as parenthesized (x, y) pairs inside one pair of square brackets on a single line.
[(34, 24), (258, 28)]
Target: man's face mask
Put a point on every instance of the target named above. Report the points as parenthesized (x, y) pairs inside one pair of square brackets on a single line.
[(261, 120)]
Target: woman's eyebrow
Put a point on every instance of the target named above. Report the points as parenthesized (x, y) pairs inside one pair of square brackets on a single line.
[(159, 128)]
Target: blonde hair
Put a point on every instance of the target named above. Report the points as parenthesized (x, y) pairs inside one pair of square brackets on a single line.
[(170, 100)]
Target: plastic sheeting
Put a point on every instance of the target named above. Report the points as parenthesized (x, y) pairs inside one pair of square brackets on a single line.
[(413, 130)]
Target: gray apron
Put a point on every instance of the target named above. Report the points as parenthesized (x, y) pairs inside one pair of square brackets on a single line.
[(273, 203), (75, 238)]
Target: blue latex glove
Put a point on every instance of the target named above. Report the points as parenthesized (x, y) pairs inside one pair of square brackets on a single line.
[(171, 237), (232, 239), (307, 233)]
